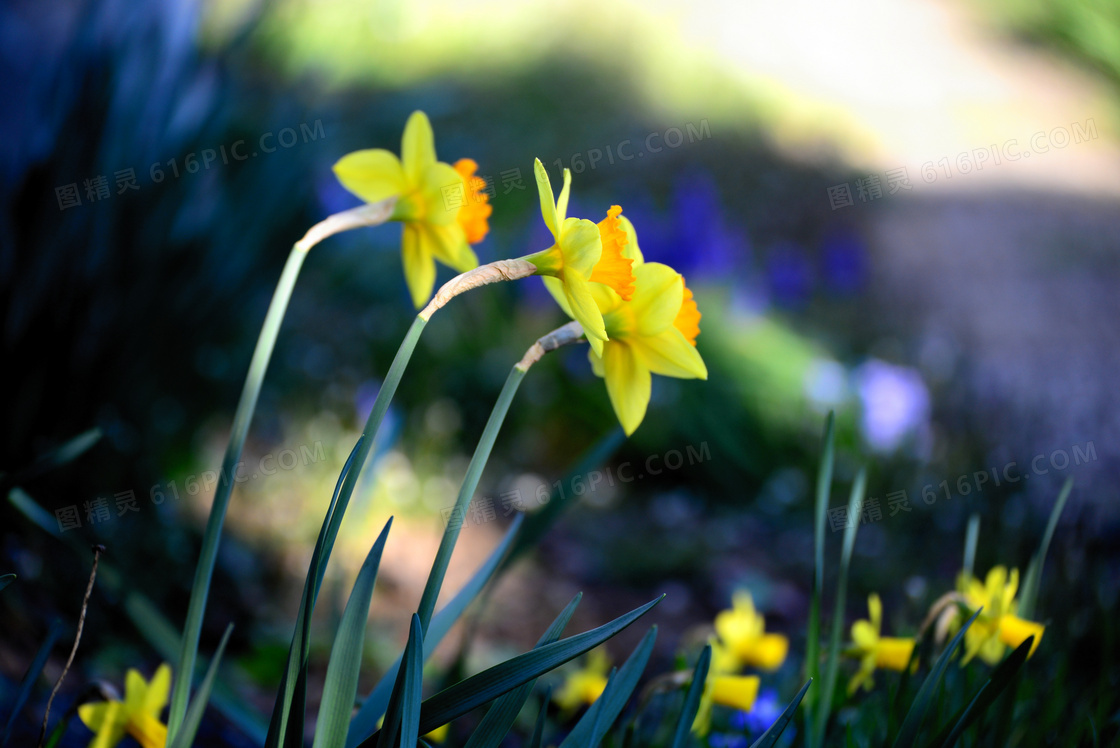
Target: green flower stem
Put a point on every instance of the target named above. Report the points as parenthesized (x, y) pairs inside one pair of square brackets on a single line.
[(569, 333), (364, 215), (200, 590)]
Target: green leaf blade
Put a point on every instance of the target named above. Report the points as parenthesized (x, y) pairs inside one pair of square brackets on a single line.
[(770, 737), (595, 723), (912, 724), (341, 684), (193, 717), (502, 714), (692, 699)]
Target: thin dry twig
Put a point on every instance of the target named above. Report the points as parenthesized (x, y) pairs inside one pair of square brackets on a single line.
[(97, 551)]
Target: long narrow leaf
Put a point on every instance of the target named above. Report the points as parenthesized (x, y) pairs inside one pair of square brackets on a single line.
[(193, 718), (912, 725), (30, 677), (1003, 675), (770, 737), (594, 737), (820, 510), (413, 681), (919, 656), (591, 728), (372, 709), (55, 458), (692, 699), (1033, 580), (341, 684), (832, 666), (394, 716), (473, 692), (287, 724), (501, 715), (538, 729)]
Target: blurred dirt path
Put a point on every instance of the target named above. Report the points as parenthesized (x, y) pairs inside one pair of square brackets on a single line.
[(925, 81)]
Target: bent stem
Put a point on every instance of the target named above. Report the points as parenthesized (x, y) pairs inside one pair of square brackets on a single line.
[(364, 215), (569, 333), (495, 272)]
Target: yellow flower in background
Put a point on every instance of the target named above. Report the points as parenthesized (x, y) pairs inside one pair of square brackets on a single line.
[(734, 691), (583, 686), (997, 627), (138, 715), (876, 651), (578, 261), (438, 735), (743, 632), (444, 209)]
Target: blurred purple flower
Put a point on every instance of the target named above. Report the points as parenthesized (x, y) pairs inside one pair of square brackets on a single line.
[(895, 403), (767, 708), (844, 257), (789, 275)]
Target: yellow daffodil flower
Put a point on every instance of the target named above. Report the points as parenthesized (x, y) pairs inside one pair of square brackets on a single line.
[(997, 627), (743, 632), (876, 651), (444, 209), (584, 686), (650, 323), (568, 264), (735, 691), (138, 715)]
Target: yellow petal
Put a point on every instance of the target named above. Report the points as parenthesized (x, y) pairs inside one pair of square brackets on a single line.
[(992, 650), (1010, 590), (442, 193), (670, 355), (148, 731), (865, 634), (135, 691), (628, 384), (373, 174), (580, 245), (581, 688), (438, 735), (449, 245), (875, 608), (735, 691), (418, 146), (1013, 631), (596, 363), (631, 251), (419, 267), (555, 287), (584, 309), (548, 201), (107, 720), (159, 689), (724, 660), (894, 653), (562, 203), (658, 294), (768, 652)]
